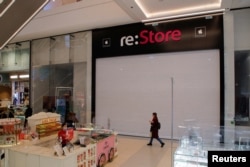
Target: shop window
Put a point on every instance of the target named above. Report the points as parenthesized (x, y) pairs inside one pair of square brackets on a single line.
[(242, 88), (14, 69), (61, 63)]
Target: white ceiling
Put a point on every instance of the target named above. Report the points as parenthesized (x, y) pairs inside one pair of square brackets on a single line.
[(92, 14), (146, 9), (160, 9)]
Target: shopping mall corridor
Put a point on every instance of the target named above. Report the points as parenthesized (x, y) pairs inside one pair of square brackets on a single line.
[(134, 152)]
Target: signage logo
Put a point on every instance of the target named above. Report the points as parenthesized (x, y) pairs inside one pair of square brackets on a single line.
[(150, 37), (200, 32), (106, 42)]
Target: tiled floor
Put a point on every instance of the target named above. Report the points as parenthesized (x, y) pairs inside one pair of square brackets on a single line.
[(134, 152)]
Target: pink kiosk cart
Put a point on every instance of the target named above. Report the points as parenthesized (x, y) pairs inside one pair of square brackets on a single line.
[(106, 144)]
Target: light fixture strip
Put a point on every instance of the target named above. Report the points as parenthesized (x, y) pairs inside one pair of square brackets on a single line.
[(6, 7), (181, 18), (184, 15), (13, 77), (21, 76), (209, 6), (24, 76)]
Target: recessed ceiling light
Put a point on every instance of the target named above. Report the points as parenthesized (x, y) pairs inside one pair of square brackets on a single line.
[(185, 16), (167, 8), (13, 77), (24, 76)]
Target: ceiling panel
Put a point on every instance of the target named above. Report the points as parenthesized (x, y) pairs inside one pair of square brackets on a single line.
[(161, 8), (5, 5), (81, 16), (91, 14), (14, 15), (240, 4), (148, 9)]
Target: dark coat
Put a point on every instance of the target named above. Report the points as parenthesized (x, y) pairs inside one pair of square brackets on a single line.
[(28, 112), (154, 128)]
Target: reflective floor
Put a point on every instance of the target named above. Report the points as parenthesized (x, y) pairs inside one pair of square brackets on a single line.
[(134, 152)]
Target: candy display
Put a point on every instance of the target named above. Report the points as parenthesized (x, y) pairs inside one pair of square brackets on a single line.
[(47, 129), (9, 131), (49, 141)]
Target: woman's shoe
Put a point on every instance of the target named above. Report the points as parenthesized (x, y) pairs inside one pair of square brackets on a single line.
[(149, 144), (162, 144)]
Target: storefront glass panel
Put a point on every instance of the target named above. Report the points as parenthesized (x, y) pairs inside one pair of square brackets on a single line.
[(60, 68), (14, 78), (242, 68)]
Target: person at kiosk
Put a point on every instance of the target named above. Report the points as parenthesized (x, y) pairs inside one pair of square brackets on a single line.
[(65, 135), (27, 114)]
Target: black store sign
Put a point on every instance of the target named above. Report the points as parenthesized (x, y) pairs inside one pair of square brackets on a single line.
[(186, 35)]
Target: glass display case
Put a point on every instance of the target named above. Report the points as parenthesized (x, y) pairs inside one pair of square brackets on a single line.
[(10, 129), (194, 146), (190, 151), (189, 158), (105, 140)]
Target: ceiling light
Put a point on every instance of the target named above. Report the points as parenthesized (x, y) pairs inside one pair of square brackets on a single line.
[(184, 15), (24, 76), (151, 12), (13, 77), (155, 23), (5, 6), (8, 11)]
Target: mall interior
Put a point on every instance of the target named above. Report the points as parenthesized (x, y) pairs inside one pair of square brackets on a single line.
[(102, 67)]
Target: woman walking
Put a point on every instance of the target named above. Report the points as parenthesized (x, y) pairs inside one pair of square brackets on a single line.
[(154, 129)]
